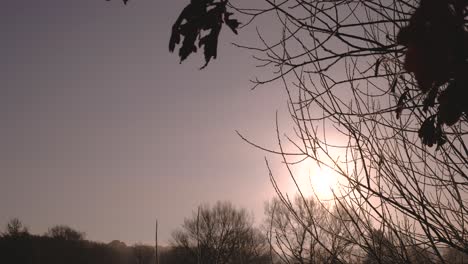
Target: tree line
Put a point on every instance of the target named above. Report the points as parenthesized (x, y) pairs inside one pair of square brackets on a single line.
[(63, 244), (301, 230)]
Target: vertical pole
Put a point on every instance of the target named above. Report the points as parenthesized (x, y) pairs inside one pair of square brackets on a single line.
[(156, 245), (198, 236)]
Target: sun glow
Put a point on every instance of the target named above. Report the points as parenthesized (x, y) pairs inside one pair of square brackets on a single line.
[(314, 180), (324, 181)]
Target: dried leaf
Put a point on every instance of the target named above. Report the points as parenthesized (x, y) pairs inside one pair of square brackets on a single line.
[(377, 64), (124, 1), (393, 85), (190, 34), (429, 101), (401, 104), (233, 24), (210, 43), (427, 132), (175, 39), (201, 20)]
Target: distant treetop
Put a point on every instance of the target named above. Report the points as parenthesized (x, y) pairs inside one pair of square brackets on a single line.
[(65, 233)]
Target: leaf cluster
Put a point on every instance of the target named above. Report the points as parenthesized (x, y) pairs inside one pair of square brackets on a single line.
[(201, 20), (437, 54), (431, 132)]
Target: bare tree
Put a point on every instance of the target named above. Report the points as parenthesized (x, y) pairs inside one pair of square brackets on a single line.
[(307, 231), (386, 248), (15, 228), (219, 234)]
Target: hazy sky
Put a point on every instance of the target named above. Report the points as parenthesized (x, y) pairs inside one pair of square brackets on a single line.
[(102, 129)]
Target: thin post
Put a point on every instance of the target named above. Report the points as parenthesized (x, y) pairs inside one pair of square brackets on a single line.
[(156, 245), (198, 236)]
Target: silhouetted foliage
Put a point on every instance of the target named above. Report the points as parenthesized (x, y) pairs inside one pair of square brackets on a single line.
[(437, 55), (202, 20)]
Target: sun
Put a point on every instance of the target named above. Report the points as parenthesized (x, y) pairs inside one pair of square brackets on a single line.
[(314, 180), (324, 182)]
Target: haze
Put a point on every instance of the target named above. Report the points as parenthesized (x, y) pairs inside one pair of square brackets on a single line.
[(102, 129)]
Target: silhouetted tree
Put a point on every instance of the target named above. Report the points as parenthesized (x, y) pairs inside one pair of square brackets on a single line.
[(220, 234), (64, 232), (15, 228), (306, 231)]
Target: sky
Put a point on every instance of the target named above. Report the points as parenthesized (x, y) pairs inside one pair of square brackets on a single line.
[(103, 130)]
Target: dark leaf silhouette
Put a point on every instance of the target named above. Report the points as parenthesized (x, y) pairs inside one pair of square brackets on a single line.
[(188, 45), (124, 1), (377, 64), (429, 101), (175, 39), (394, 84), (210, 43), (201, 20), (427, 132), (401, 104), (450, 109), (233, 24), (431, 132)]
